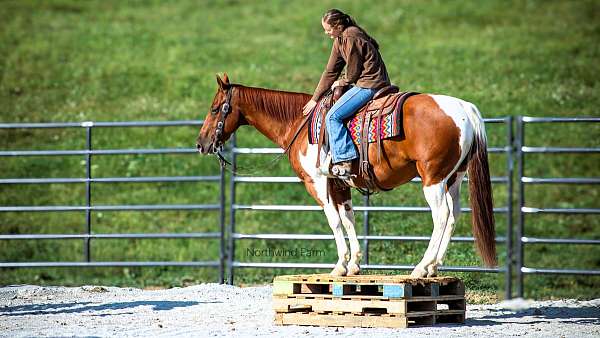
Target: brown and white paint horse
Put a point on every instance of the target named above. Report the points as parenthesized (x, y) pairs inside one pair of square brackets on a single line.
[(444, 137)]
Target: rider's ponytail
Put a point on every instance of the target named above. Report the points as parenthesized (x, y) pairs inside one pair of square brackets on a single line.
[(335, 17)]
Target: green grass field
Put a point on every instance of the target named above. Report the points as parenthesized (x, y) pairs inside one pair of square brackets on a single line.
[(72, 61)]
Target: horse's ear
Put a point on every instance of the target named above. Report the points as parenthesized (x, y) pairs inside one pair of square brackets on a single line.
[(223, 84), (220, 82)]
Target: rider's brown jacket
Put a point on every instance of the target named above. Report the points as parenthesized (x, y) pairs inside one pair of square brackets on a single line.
[(364, 65)]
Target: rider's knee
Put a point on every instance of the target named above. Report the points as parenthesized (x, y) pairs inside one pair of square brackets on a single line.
[(332, 116)]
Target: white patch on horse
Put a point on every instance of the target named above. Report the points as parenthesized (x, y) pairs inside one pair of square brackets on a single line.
[(456, 109), (308, 163)]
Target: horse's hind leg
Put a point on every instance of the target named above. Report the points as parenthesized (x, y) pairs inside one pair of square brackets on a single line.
[(343, 200), (440, 212), (453, 200)]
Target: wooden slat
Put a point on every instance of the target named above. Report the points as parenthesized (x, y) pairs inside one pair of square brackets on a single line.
[(367, 297), (340, 320), (365, 279), (352, 320), (285, 288), (438, 298), (351, 305), (449, 312)]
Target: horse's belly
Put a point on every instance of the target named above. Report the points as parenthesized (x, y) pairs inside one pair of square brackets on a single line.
[(395, 167), (400, 175)]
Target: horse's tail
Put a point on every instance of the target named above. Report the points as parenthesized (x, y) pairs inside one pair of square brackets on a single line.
[(480, 191)]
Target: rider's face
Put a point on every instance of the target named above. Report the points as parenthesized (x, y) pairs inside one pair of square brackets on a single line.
[(332, 31)]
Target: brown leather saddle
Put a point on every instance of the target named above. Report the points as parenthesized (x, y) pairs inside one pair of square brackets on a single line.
[(383, 102)]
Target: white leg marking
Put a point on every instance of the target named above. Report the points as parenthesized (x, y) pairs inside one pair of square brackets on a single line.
[(331, 212), (347, 216), (453, 200), (333, 218), (436, 198)]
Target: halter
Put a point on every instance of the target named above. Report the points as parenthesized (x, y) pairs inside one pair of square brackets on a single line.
[(225, 110), (218, 138)]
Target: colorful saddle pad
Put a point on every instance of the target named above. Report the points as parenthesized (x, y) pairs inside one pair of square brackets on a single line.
[(390, 123)]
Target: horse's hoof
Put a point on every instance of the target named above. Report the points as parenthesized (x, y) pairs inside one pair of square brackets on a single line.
[(338, 271), (432, 271), (418, 273), (353, 269)]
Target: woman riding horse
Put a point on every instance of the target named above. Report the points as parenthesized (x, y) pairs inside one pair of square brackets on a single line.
[(442, 139), (359, 52)]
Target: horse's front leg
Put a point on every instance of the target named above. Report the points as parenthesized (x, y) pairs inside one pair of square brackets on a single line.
[(316, 185), (333, 218), (343, 200)]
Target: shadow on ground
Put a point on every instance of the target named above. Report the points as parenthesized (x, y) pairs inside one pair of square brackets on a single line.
[(571, 315), (64, 308)]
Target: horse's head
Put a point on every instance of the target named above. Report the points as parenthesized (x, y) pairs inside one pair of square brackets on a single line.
[(221, 121)]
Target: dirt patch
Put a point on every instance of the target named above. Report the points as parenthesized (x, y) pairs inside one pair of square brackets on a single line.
[(223, 310), (481, 297)]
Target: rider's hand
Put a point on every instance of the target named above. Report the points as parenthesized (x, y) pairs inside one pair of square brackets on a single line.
[(308, 107), (335, 84)]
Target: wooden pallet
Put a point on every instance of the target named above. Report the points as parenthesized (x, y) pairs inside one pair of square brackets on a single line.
[(367, 301), (368, 285), (365, 320)]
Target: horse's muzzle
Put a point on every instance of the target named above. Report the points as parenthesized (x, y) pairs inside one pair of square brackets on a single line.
[(204, 148), (207, 148)]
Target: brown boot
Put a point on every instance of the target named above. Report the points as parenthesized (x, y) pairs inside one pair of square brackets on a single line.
[(342, 169)]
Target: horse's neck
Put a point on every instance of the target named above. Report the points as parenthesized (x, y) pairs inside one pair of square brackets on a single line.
[(258, 112)]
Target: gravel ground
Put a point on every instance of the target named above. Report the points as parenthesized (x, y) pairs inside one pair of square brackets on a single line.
[(223, 310)]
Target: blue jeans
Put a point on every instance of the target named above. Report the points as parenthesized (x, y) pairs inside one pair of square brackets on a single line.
[(342, 148)]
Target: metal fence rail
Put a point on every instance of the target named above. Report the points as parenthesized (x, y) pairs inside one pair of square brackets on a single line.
[(89, 207), (366, 209), (524, 180), (228, 236)]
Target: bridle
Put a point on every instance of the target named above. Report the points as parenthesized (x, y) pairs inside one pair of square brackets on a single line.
[(225, 110), (218, 141)]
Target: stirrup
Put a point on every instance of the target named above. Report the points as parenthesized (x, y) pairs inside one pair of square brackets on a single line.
[(324, 168), (343, 171)]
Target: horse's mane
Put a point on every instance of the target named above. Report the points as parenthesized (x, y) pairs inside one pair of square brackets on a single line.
[(279, 105)]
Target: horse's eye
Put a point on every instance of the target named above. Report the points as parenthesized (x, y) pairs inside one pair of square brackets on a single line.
[(214, 110)]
